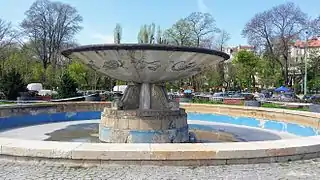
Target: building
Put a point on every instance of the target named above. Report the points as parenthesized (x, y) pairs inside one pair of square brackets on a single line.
[(231, 51), (298, 51)]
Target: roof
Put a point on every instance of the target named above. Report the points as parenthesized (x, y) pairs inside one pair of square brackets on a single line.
[(314, 42), (246, 47)]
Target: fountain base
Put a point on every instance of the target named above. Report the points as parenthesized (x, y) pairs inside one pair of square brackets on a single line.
[(143, 126)]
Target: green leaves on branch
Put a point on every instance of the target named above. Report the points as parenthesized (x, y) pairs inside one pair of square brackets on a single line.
[(11, 84), (67, 86)]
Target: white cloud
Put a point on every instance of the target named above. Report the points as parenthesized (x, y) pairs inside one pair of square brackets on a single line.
[(99, 38), (202, 7)]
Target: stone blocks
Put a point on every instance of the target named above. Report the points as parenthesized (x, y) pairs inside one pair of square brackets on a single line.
[(143, 126)]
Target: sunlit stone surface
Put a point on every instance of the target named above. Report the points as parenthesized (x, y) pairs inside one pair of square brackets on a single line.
[(146, 67)]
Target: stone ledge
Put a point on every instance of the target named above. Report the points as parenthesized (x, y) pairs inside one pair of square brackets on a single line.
[(309, 119), (230, 153)]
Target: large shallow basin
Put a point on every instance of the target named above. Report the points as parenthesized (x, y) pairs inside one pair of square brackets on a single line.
[(300, 123), (145, 63)]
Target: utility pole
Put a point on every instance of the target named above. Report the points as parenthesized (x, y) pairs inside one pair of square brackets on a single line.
[(306, 63)]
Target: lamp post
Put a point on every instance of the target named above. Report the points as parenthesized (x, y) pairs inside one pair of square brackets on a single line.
[(305, 63)]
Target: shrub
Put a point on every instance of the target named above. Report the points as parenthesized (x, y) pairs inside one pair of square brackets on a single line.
[(12, 84), (67, 86)]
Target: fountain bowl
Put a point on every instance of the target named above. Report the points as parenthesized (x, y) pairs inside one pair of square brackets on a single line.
[(146, 63)]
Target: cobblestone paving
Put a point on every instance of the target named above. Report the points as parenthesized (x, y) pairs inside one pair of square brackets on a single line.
[(309, 169)]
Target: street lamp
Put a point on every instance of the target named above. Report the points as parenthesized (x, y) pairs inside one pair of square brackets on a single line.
[(305, 63)]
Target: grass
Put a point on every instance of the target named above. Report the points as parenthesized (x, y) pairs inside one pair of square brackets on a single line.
[(204, 101), (2, 102), (271, 105)]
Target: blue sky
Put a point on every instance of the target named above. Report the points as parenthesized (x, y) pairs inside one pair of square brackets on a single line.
[(100, 16)]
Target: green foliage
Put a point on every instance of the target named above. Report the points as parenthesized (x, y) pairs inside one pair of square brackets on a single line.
[(147, 34), (37, 72), (213, 76), (314, 83), (314, 70), (79, 72), (67, 86), (246, 63), (269, 73), (11, 84), (117, 34)]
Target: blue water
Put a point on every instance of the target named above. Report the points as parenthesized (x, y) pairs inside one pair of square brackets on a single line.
[(252, 122), (27, 120)]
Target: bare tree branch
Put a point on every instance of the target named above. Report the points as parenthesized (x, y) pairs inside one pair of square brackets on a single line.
[(275, 30), (222, 39), (50, 25)]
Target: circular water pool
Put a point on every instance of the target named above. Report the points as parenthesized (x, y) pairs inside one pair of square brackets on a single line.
[(209, 128), (67, 132)]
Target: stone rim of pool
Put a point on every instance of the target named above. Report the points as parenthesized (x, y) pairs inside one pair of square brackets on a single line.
[(165, 153)]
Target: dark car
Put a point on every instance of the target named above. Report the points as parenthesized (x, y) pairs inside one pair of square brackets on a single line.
[(306, 97), (289, 97), (315, 98)]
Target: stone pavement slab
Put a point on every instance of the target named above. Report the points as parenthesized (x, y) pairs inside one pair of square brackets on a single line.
[(22, 170)]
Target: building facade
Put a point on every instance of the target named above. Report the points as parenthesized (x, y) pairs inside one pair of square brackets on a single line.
[(300, 52)]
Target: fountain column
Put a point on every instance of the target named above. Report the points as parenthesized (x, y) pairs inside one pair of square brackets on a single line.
[(145, 115), (145, 96)]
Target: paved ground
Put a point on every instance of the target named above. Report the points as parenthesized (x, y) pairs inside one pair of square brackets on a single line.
[(309, 170)]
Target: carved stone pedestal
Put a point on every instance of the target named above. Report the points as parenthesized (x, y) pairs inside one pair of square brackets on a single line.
[(144, 115), (143, 126), (146, 96)]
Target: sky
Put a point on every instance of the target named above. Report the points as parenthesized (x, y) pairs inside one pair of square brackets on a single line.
[(101, 16)]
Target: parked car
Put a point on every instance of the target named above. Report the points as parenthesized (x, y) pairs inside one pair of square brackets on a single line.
[(289, 97), (315, 98), (306, 97), (2, 95), (218, 96)]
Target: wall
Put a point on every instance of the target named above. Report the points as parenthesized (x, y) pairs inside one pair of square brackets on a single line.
[(296, 122)]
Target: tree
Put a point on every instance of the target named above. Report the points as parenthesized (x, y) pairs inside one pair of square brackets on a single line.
[(67, 86), (180, 33), (12, 84), (276, 29), (6, 34), (222, 39), (79, 72), (314, 69), (246, 63), (19, 59), (202, 26), (147, 34), (268, 74), (315, 26), (160, 37), (231, 75), (49, 26), (117, 34), (220, 43)]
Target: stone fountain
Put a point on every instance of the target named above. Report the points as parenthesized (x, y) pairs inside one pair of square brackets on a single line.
[(144, 114)]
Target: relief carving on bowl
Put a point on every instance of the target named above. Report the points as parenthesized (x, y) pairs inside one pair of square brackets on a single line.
[(140, 63), (112, 64), (183, 65), (90, 62)]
